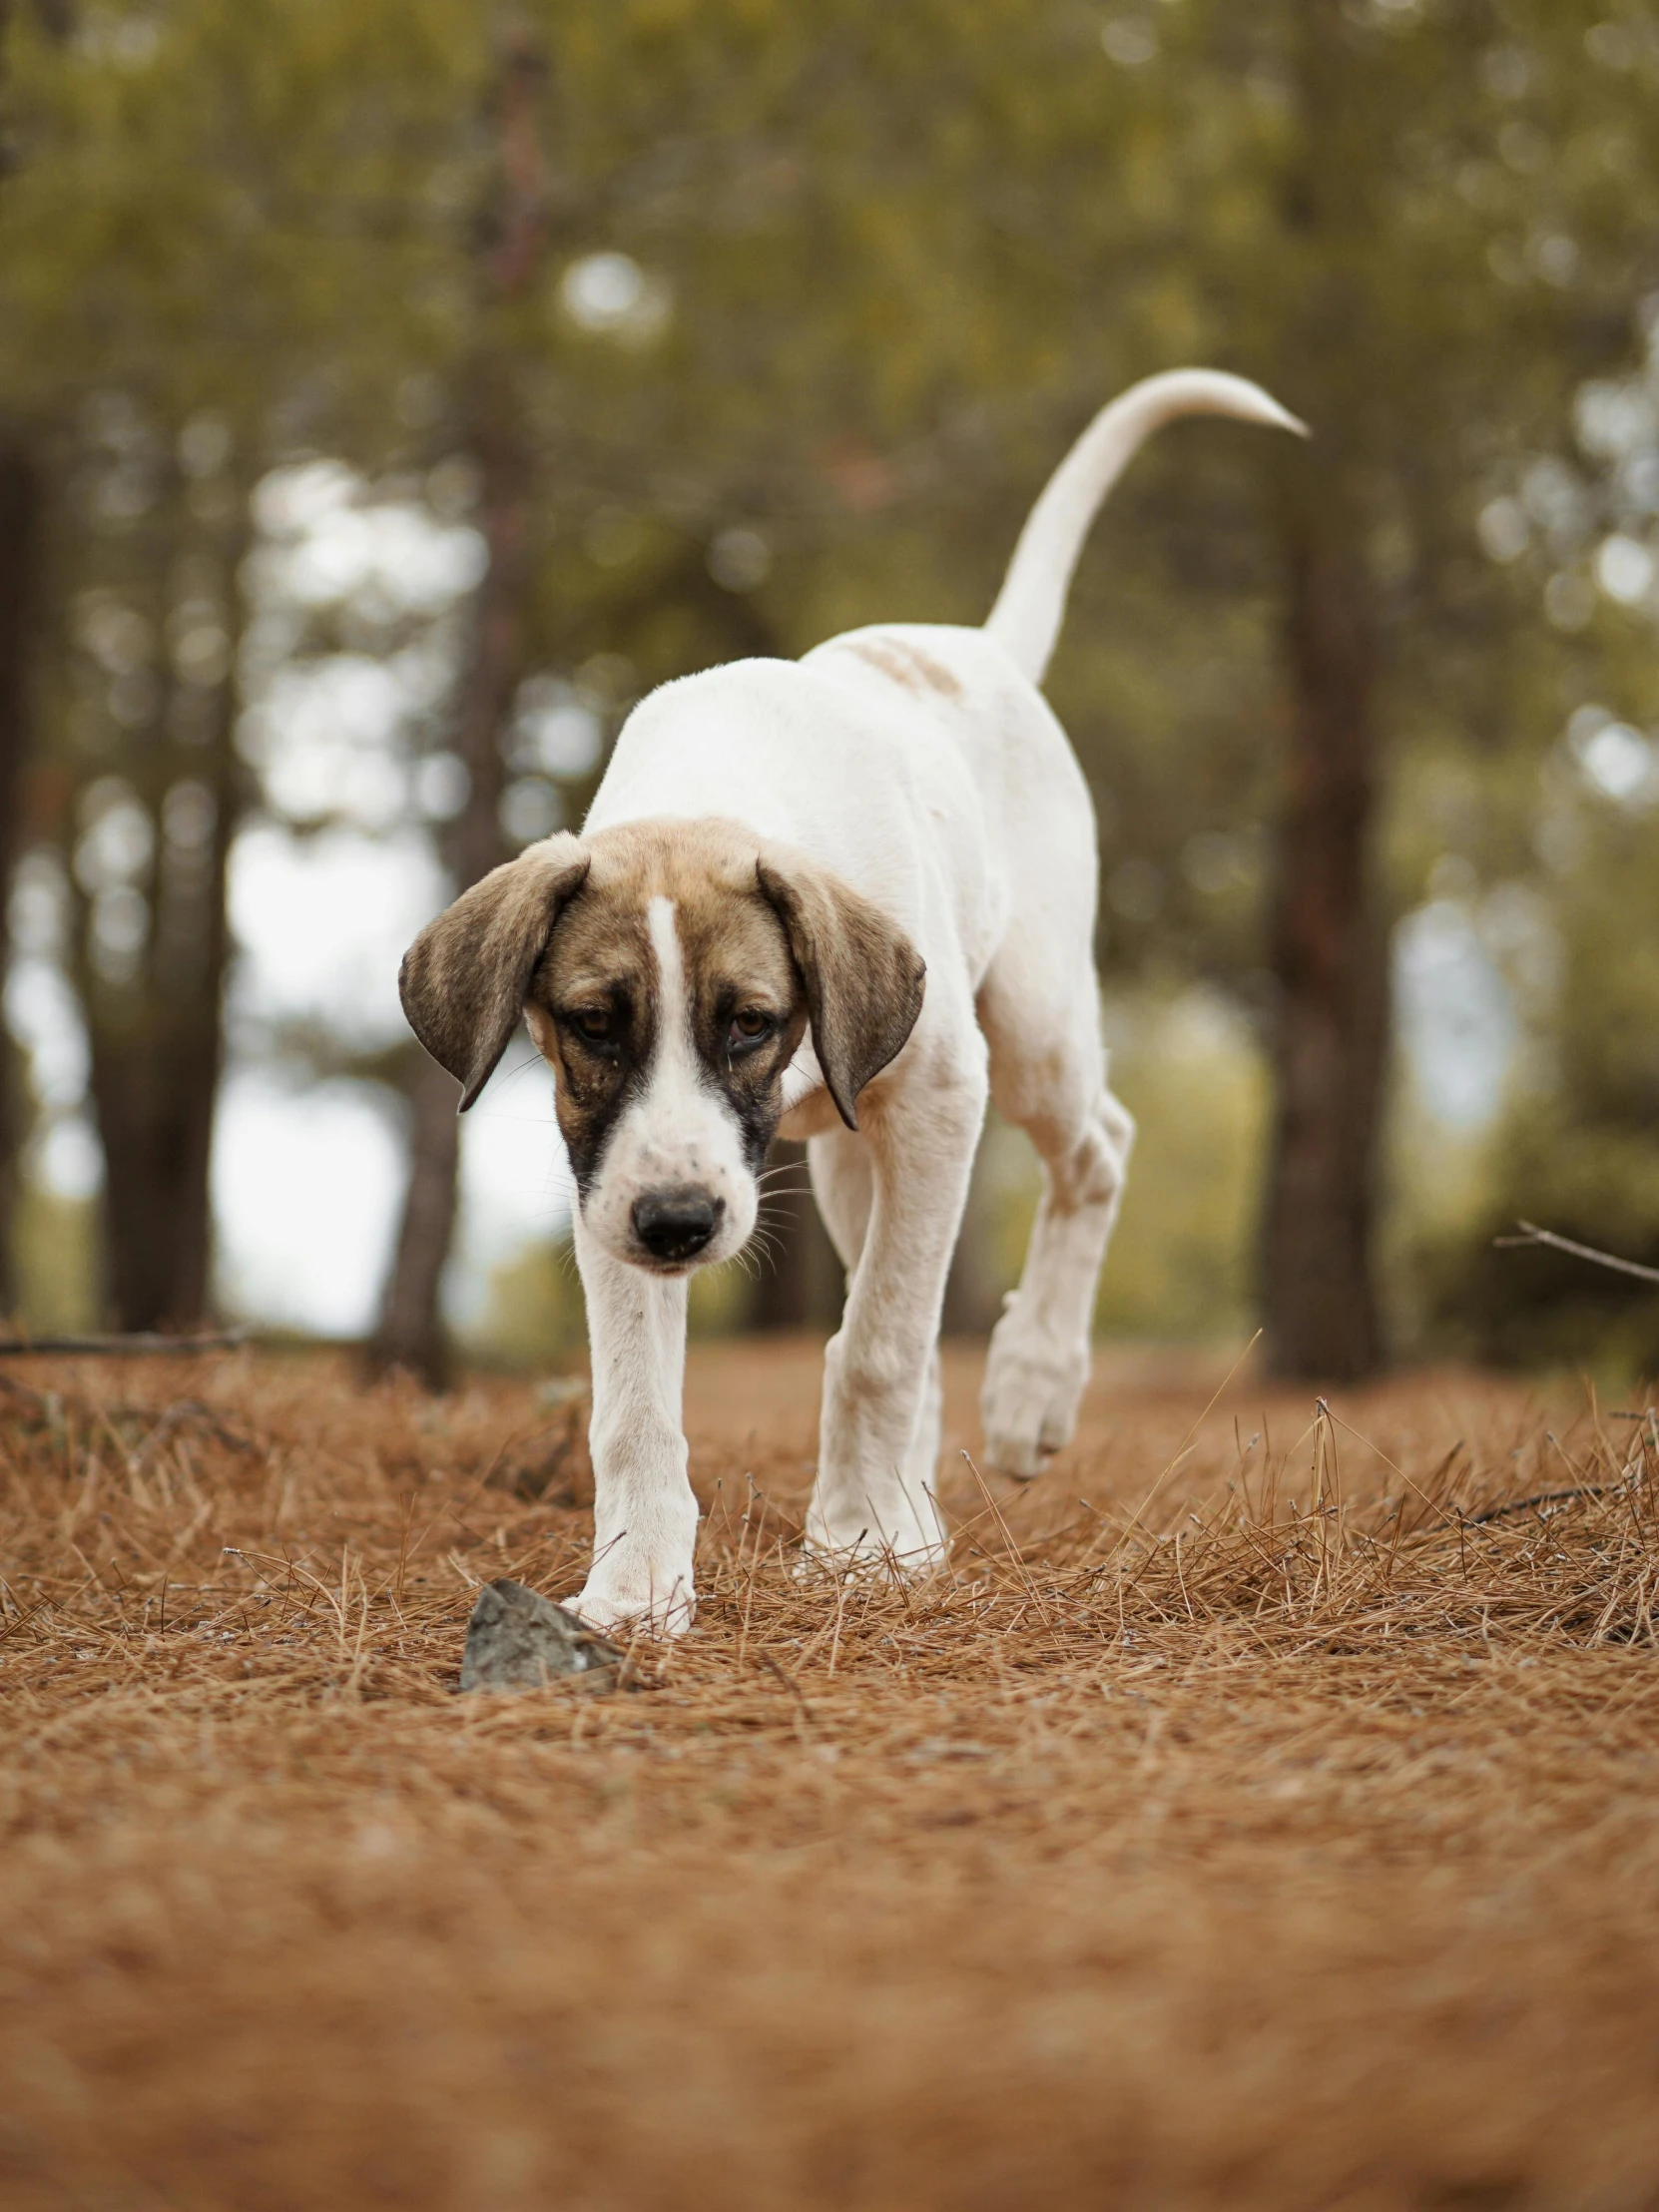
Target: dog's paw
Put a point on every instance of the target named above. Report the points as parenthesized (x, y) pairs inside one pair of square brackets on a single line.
[(661, 1610), (1028, 1407)]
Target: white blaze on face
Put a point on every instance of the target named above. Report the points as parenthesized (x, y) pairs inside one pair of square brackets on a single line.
[(679, 1136)]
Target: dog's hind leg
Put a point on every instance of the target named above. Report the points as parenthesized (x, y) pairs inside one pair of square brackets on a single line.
[(844, 1185), (1048, 1075)]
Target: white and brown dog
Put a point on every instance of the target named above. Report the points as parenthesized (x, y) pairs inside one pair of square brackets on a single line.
[(841, 899)]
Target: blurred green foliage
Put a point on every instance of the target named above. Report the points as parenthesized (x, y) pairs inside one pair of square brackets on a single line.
[(869, 269), (534, 1317), (58, 1263), (1182, 1262), (1579, 1147)]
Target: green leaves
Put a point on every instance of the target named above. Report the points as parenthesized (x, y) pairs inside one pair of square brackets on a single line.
[(883, 263)]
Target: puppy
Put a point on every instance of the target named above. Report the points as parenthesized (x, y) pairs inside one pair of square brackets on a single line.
[(842, 900)]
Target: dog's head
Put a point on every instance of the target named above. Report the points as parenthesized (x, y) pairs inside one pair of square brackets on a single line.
[(668, 971)]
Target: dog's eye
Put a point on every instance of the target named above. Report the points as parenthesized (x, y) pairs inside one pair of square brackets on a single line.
[(593, 1024), (747, 1027)]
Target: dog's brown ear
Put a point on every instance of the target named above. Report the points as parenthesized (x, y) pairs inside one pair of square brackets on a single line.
[(863, 978), (463, 979)]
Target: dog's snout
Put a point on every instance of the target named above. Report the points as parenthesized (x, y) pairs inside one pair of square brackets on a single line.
[(676, 1225)]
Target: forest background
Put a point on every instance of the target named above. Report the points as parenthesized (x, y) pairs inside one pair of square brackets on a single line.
[(390, 394)]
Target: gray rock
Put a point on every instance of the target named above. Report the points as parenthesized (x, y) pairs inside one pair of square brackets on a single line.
[(516, 1640)]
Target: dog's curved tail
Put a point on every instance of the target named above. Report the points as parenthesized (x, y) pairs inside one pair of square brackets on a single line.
[(1032, 602)]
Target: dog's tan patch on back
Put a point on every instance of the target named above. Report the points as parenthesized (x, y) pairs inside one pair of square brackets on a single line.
[(934, 674), (907, 665)]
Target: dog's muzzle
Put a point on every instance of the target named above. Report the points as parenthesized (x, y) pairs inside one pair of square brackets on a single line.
[(675, 1226)]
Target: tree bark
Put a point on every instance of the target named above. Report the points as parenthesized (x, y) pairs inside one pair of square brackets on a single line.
[(154, 1089), (20, 533), (1330, 960), (157, 1054), (410, 1333)]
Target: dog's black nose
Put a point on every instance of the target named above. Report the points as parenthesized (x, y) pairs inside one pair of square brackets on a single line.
[(676, 1225)]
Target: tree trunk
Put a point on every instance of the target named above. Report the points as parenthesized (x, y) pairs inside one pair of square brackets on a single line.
[(20, 521), (1330, 958), (155, 1089), (410, 1331), (158, 1051)]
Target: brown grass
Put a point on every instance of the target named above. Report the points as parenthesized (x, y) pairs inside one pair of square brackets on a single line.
[(1262, 1814)]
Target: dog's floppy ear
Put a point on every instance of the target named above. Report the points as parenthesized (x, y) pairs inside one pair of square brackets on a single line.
[(863, 978), (463, 979)]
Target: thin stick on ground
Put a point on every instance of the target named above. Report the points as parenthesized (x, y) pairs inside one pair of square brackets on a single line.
[(1531, 1234), (142, 1344)]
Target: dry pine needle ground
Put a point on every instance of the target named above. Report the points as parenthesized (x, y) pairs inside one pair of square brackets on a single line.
[(1263, 1812)]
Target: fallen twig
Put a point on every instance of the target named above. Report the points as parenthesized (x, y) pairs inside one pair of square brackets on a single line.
[(1542, 1497), (1531, 1234), (120, 1348)]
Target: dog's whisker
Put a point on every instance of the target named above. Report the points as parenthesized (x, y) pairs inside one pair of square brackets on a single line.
[(774, 1222)]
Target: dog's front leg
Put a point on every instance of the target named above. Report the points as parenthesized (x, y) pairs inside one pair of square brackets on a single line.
[(873, 1497), (644, 1513)]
